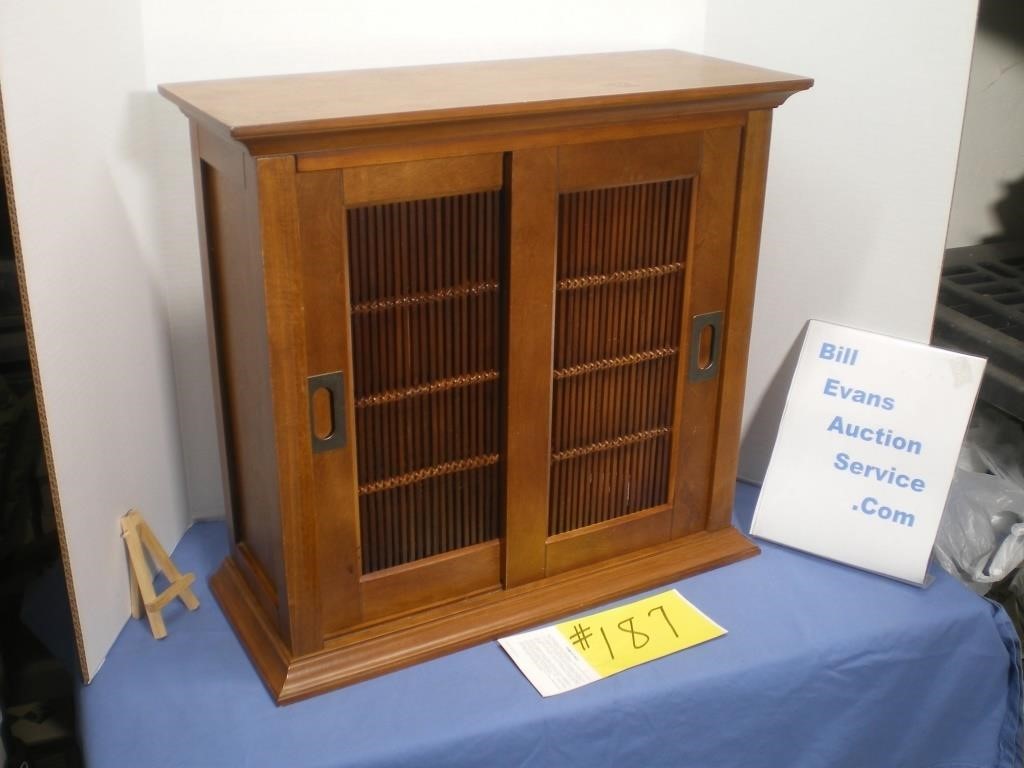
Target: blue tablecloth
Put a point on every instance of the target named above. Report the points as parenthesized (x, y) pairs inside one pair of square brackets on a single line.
[(823, 666)]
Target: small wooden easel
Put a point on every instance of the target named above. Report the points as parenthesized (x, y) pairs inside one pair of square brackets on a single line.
[(139, 539)]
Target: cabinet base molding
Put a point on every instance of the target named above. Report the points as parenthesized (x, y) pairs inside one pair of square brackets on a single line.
[(399, 642)]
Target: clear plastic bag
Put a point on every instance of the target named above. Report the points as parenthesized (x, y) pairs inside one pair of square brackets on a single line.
[(995, 444), (981, 537)]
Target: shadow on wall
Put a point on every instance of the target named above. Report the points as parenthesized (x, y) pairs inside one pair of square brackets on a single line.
[(164, 160), (759, 437), (1009, 209), (1004, 19)]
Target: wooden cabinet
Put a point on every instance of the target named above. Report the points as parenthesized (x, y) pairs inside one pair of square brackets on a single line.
[(480, 333)]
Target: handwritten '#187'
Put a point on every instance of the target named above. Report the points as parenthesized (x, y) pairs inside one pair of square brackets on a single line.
[(582, 634)]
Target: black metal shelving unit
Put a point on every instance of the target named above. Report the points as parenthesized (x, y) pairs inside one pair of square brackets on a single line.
[(980, 311)]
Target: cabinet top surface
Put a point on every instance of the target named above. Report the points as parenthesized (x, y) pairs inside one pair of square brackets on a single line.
[(264, 106)]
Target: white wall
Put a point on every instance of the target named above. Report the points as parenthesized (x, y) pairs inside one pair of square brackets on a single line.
[(861, 173), (72, 80), (992, 150), (193, 40)]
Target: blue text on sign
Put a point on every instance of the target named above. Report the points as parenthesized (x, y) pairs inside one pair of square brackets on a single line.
[(838, 354)]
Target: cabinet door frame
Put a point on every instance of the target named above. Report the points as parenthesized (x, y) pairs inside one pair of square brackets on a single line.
[(709, 159), (349, 597), (533, 178)]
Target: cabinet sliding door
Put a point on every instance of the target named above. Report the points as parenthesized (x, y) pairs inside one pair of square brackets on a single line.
[(635, 296), (418, 328)]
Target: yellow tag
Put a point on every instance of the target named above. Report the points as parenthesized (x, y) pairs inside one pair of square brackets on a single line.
[(632, 634)]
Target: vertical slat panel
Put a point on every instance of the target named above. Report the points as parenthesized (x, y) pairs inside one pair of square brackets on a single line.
[(620, 268), (426, 302)]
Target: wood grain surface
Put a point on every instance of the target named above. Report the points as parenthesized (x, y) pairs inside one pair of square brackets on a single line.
[(501, 267), (264, 106)]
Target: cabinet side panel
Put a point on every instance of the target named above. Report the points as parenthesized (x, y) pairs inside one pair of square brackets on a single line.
[(238, 305), (199, 163)]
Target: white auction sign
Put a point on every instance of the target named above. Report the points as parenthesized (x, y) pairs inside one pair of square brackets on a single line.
[(866, 449)]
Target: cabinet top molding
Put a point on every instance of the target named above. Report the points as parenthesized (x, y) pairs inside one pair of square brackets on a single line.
[(263, 107)]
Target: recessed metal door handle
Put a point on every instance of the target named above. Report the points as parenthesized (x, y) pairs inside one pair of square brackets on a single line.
[(705, 346), (327, 411)]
